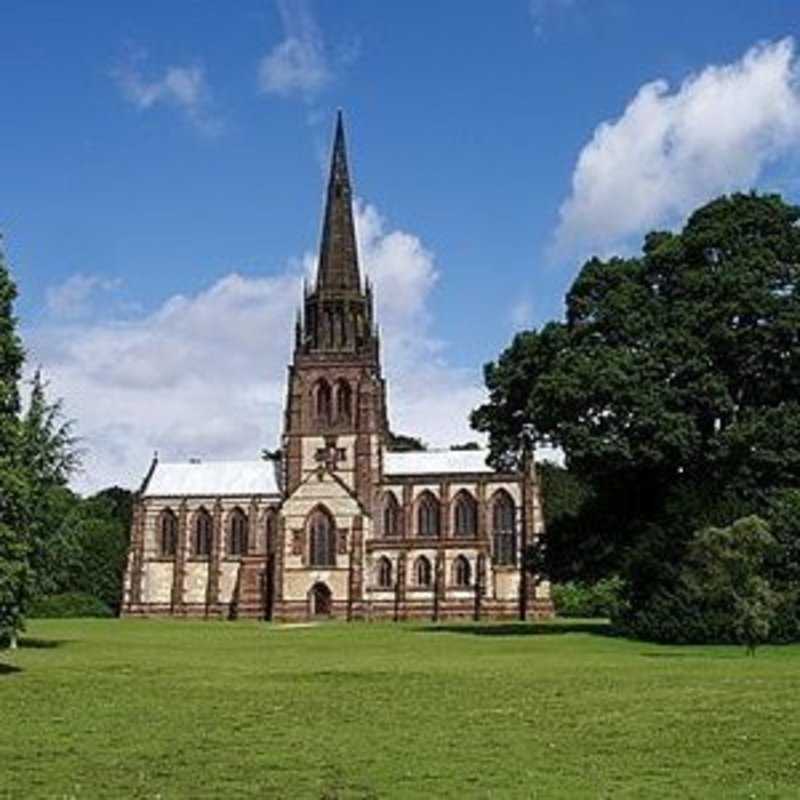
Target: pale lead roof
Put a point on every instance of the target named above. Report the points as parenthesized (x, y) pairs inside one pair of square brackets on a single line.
[(213, 478), (435, 462)]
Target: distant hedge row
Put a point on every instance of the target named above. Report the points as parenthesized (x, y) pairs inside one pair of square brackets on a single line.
[(69, 604)]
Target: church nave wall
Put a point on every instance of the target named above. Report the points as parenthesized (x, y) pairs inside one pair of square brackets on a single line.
[(196, 582), (158, 577)]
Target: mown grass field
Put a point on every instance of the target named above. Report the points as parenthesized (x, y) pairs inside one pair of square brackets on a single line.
[(171, 709)]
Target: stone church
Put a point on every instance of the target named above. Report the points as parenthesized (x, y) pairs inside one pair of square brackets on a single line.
[(338, 525)]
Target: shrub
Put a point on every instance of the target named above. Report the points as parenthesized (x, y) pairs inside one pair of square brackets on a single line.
[(721, 594), (70, 604), (577, 599)]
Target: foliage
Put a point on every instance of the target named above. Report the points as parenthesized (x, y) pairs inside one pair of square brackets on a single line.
[(783, 516), (48, 446), (14, 569), (51, 540), (47, 452), (577, 527), (682, 362), (400, 443), (133, 708), (69, 604), (466, 446), (673, 388), (575, 599), (99, 529), (721, 592), (87, 545)]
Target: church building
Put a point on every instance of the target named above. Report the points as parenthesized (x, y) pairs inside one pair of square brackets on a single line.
[(338, 525)]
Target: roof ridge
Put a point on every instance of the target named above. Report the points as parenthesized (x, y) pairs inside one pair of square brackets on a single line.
[(200, 461), (431, 450)]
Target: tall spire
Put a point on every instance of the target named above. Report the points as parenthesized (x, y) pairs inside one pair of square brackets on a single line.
[(338, 254)]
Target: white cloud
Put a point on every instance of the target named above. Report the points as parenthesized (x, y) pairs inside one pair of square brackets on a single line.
[(299, 63), (74, 297), (204, 374), (182, 87), (672, 150)]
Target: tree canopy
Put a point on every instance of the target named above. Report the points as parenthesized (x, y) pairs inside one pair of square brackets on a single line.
[(672, 386), (402, 443), (51, 540), (14, 570), (681, 363)]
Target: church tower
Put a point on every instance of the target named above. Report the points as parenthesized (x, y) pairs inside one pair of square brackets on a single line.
[(335, 416)]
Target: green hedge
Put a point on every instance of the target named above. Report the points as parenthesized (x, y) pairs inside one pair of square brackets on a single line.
[(70, 604), (601, 599)]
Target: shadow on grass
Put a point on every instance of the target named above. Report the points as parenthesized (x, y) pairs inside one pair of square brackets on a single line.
[(525, 629), (8, 669), (671, 654), (32, 643)]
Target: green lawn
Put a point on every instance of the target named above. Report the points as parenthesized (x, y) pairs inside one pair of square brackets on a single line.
[(168, 709)]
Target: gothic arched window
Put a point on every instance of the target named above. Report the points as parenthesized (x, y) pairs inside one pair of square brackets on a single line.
[(238, 537), (168, 533), (384, 573), (504, 528), (462, 572), (322, 401), (428, 515), (391, 515), (203, 525), (465, 515), (322, 539), (344, 401), (422, 572)]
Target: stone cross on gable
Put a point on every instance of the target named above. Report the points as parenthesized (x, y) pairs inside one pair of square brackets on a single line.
[(330, 455)]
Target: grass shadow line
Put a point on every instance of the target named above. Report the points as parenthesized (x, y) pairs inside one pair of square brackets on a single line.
[(665, 655), (525, 628), (33, 643), (9, 669)]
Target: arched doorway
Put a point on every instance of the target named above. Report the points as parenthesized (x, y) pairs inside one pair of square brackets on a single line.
[(320, 600)]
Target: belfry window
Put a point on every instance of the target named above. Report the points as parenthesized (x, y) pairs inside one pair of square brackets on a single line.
[(322, 401), (504, 529), (322, 540), (422, 572), (341, 337), (238, 535), (384, 573), (462, 573), (329, 342), (465, 515), (168, 534), (344, 402), (428, 515), (203, 526)]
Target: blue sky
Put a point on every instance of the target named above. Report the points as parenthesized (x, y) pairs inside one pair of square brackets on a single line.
[(162, 172)]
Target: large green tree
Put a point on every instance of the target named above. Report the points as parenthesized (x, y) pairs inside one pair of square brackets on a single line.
[(673, 384), (14, 571), (47, 452)]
